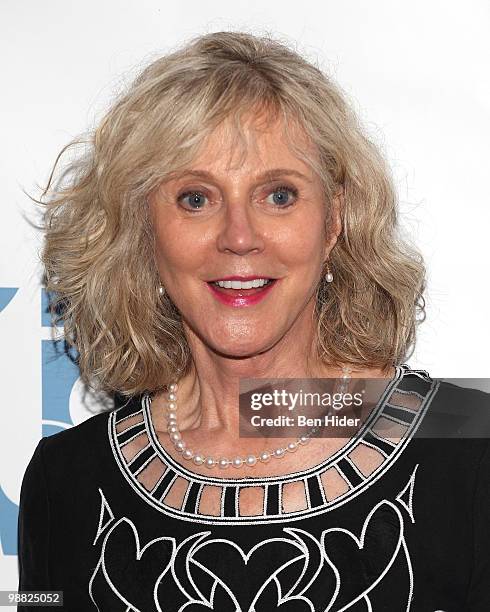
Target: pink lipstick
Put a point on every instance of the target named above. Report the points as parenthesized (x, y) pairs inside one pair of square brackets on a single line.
[(241, 297)]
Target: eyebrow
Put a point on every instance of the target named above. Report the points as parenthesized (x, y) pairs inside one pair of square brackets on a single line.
[(267, 175)]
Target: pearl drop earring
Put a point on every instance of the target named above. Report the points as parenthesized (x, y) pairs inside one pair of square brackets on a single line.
[(161, 290), (328, 275)]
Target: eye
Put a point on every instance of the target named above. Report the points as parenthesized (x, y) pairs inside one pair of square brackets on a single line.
[(195, 199), (284, 196)]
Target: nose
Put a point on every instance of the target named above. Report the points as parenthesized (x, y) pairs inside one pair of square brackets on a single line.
[(239, 231)]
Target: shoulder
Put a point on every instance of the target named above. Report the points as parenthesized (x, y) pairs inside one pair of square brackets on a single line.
[(451, 421), (62, 464), (458, 411), (86, 439), (448, 404), (456, 393), (452, 429)]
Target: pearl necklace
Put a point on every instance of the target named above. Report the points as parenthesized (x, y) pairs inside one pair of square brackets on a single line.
[(250, 460)]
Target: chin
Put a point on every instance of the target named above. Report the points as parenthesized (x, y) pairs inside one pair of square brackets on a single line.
[(239, 347)]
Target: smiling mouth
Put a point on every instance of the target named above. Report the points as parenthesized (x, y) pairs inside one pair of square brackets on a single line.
[(240, 289)]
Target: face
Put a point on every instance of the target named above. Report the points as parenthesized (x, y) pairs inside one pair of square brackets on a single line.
[(258, 217)]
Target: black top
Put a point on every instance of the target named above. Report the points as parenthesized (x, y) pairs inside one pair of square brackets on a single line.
[(98, 519)]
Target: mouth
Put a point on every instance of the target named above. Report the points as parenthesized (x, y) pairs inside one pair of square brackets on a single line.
[(240, 293), (244, 287)]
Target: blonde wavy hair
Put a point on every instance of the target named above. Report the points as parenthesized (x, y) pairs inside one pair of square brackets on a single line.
[(99, 245)]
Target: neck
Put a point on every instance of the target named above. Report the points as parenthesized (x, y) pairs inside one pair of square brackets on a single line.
[(208, 396)]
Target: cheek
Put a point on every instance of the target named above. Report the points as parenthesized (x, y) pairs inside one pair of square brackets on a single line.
[(170, 240), (303, 245), (179, 249)]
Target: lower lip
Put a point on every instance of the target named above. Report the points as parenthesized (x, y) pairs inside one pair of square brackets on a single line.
[(241, 299)]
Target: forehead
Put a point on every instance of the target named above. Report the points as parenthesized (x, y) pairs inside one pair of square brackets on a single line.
[(255, 141)]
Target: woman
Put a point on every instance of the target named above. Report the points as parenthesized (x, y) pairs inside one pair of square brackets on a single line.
[(228, 221)]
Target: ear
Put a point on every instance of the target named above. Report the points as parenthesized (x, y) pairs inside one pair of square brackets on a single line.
[(335, 227)]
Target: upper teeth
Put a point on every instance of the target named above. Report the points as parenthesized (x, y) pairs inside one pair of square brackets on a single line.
[(236, 284)]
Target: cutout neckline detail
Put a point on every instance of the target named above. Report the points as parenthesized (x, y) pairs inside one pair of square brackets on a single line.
[(262, 480), (170, 488)]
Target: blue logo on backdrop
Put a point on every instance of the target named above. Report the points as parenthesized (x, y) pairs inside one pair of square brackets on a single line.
[(8, 524), (59, 374), (8, 510), (6, 295)]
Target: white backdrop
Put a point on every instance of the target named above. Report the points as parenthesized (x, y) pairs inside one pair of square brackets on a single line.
[(418, 74)]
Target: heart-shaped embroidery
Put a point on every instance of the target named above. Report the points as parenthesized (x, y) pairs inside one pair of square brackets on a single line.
[(361, 563), (244, 574), (130, 569)]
